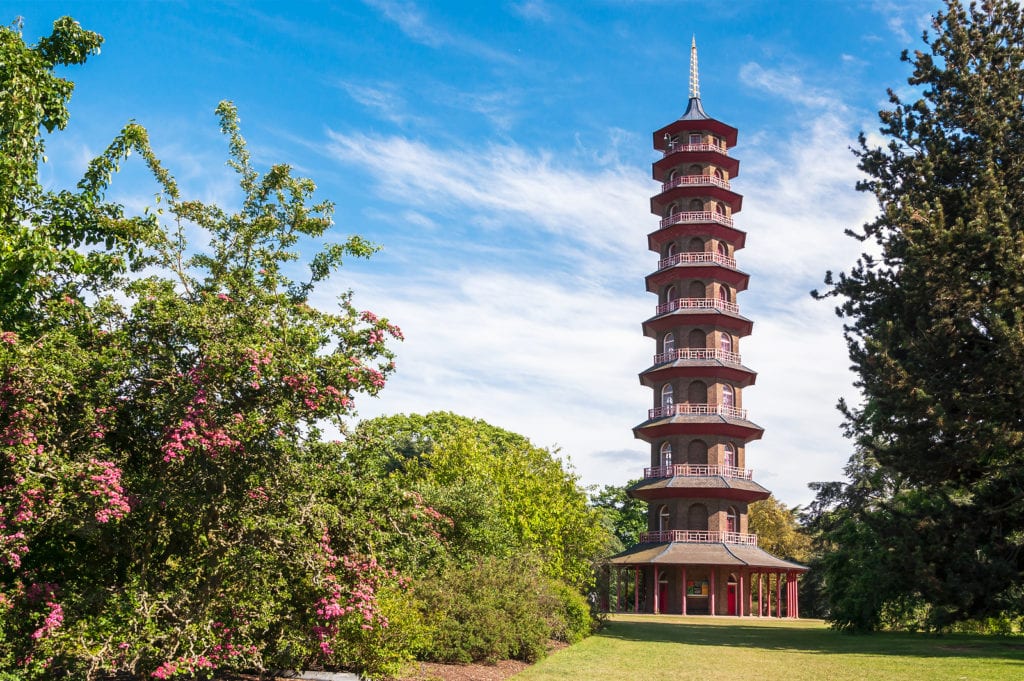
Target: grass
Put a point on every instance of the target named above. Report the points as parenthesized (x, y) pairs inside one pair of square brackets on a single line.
[(653, 647)]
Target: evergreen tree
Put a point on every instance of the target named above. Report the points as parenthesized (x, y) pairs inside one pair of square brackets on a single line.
[(935, 329)]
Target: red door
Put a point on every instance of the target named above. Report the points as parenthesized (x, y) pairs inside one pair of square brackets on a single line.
[(732, 599), (663, 598)]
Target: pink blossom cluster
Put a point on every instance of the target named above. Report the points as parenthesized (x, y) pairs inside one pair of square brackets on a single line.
[(190, 664), (47, 593), (257, 360), (108, 486), (13, 545), (8, 337), (258, 494), (313, 397), (430, 514), (355, 595), (14, 541), (197, 432)]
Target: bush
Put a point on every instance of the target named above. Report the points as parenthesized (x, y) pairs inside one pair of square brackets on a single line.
[(573, 620), (493, 609)]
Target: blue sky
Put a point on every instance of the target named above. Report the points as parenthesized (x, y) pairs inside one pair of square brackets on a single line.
[(500, 154)]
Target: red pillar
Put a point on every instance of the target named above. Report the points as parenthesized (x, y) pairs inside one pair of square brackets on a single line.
[(711, 593), (657, 592), (778, 594), (740, 596), (760, 594), (796, 597), (636, 589), (684, 588)]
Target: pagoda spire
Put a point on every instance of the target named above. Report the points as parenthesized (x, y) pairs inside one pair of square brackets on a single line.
[(694, 110), (694, 77)]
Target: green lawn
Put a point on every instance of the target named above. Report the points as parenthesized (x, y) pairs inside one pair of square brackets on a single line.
[(650, 647)]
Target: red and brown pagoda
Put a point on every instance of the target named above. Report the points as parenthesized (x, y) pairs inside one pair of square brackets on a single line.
[(697, 556)]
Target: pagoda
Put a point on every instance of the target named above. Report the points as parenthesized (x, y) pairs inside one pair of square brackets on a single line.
[(697, 556)]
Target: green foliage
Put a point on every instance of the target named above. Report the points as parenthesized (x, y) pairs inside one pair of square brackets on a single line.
[(778, 530), (167, 507), (933, 510), (574, 620), (491, 609), (492, 492), (624, 514)]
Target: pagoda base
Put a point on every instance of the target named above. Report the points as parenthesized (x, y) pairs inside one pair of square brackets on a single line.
[(691, 578)]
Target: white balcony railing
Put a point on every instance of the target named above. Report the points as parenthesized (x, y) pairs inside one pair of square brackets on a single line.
[(683, 470), (695, 180), (696, 216), (697, 354), (697, 258), (698, 304), (673, 148), (697, 409), (699, 537)]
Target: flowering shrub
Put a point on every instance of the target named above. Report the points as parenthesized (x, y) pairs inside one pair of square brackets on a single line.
[(167, 507)]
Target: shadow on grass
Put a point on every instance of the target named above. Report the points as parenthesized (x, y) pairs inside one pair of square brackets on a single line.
[(813, 638)]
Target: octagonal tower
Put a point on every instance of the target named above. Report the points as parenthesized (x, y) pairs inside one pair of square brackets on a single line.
[(698, 556)]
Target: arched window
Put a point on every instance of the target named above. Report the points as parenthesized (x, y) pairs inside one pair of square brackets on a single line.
[(663, 518), (719, 174), (697, 518), (697, 453), (696, 245), (668, 343), (719, 207), (697, 392), (695, 170), (726, 342), (730, 455), (723, 293), (671, 250), (673, 174), (697, 339), (666, 454), (666, 396), (732, 520), (696, 204), (723, 250), (728, 396), (670, 293)]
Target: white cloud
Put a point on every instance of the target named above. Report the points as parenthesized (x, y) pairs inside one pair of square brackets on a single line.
[(413, 22), (787, 85), (554, 352), (602, 211)]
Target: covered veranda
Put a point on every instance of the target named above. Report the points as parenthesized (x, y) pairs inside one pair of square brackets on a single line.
[(697, 578)]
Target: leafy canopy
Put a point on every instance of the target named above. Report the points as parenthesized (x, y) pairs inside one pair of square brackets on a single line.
[(935, 329)]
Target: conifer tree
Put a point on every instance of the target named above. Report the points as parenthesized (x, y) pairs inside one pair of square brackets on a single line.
[(935, 329)]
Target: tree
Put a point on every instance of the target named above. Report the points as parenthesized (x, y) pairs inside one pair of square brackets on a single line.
[(625, 515), (936, 334), (167, 506), (778, 529), (502, 495)]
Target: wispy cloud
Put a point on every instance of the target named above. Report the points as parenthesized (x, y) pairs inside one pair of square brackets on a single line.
[(383, 99), (787, 85), (414, 23), (554, 353), (507, 187), (534, 10)]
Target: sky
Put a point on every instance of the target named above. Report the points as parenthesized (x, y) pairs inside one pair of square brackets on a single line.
[(500, 155)]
